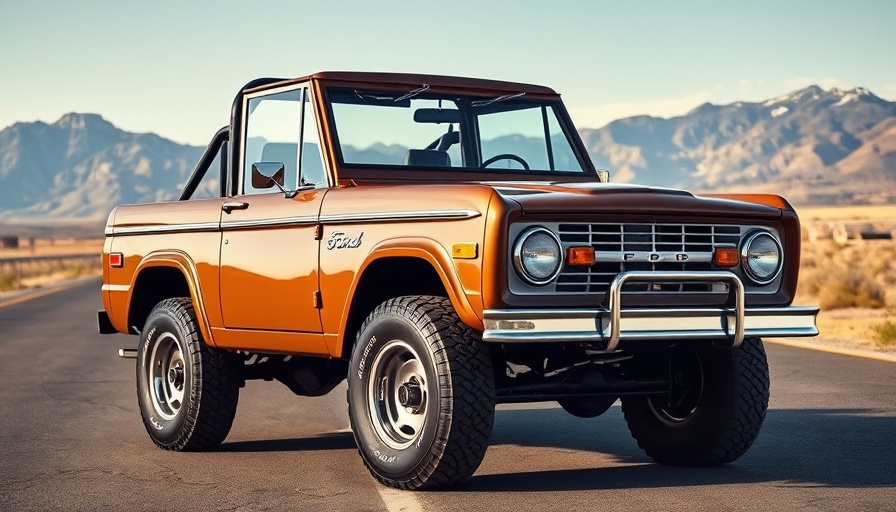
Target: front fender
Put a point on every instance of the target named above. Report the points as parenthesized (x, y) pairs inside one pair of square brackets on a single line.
[(438, 257)]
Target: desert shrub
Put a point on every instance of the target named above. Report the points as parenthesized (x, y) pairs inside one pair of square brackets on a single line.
[(885, 334), (851, 288), (8, 283)]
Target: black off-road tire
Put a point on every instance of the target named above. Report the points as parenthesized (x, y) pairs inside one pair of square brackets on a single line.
[(197, 415), (725, 419), (587, 407), (419, 343)]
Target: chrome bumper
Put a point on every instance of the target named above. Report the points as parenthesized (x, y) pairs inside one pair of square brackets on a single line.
[(614, 325)]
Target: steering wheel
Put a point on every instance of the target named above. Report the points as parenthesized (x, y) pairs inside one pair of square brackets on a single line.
[(505, 156)]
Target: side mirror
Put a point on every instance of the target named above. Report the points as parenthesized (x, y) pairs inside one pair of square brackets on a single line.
[(267, 175), (604, 175)]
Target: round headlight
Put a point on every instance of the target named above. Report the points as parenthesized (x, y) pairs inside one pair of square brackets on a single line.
[(761, 257), (537, 255)]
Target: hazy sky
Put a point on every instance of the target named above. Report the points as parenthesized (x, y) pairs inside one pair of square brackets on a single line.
[(172, 67)]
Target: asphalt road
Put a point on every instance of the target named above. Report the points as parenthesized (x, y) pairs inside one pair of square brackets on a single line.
[(71, 438)]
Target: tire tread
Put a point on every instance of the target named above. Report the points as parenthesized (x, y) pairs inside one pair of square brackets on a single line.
[(465, 365)]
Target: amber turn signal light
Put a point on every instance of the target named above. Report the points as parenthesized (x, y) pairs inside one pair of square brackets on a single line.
[(580, 256), (465, 251), (725, 257)]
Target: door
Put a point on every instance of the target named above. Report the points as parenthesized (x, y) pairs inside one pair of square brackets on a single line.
[(269, 262), (269, 253)]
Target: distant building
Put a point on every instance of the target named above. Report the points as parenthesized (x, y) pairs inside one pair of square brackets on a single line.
[(9, 242)]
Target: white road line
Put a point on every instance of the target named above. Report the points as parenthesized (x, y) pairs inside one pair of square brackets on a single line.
[(398, 501), (394, 499)]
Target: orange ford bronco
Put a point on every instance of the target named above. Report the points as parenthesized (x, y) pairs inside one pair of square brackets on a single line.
[(445, 244)]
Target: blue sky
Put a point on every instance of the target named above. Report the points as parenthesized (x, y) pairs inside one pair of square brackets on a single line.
[(172, 67)]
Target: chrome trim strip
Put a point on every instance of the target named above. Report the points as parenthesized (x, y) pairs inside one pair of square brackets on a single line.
[(353, 218), (116, 287), (592, 325), (663, 256), (167, 228), (614, 324), (308, 220), (420, 215)]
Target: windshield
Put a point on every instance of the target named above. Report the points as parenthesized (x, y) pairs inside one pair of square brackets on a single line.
[(414, 127)]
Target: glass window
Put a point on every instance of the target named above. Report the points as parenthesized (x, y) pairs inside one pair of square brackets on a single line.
[(564, 157), (313, 171), (515, 134), (386, 132), (272, 135), (422, 128)]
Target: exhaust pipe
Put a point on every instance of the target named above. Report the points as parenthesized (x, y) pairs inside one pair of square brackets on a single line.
[(127, 353)]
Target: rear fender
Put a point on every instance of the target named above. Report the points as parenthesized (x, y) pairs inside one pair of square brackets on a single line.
[(179, 260)]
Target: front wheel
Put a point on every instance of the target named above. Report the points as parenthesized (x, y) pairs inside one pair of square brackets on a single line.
[(714, 410), (421, 395), (186, 390)]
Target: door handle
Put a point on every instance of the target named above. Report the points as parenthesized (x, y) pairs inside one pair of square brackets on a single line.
[(229, 206)]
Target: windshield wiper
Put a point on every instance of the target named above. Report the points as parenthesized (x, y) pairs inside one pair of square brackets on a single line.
[(385, 97), (485, 103)]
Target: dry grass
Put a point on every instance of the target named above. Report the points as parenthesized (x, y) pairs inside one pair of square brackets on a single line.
[(885, 334), (858, 274), (53, 247), (853, 281), (35, 274)]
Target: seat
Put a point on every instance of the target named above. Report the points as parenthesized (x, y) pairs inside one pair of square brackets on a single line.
[(427, 158)]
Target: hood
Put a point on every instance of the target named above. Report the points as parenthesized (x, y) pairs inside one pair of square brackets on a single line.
[(618, 198)]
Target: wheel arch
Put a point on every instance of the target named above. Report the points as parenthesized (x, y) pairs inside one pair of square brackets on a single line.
[(434, 274), (164, 275)]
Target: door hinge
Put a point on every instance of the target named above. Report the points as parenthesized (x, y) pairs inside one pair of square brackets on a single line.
[(318, 232), (316, 300)]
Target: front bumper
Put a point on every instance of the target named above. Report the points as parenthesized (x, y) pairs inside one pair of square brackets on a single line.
[(614, 325)]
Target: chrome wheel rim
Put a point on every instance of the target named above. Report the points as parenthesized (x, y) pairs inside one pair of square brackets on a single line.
[(679, 406), (397, 395), (167, 376)]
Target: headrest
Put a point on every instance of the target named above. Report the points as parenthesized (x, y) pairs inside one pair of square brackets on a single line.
[(427, 158)]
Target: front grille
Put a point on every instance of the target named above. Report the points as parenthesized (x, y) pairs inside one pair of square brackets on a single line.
[(644, 247)]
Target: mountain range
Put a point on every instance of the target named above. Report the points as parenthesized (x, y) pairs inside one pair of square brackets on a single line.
[(812, 145)]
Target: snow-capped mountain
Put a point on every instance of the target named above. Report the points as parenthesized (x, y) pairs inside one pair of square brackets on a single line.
[(810, 145)]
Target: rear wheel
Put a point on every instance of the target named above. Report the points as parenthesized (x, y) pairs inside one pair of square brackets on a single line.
[(421, 394), (186, 390), (714, 411)]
